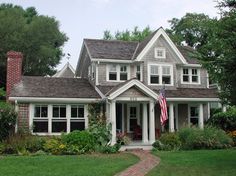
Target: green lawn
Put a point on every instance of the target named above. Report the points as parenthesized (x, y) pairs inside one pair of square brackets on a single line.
[(200, 162), (83, 165)]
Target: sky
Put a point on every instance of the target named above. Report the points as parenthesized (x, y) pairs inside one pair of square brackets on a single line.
[(81, 19)]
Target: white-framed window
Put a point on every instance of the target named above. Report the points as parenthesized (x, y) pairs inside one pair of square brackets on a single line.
[(77, 120), (55, 119), (160, 53), (160, 74), (118, 72), (190, 76), (193, 115), (123, 72), (59, 122), (40, 119), (139, 72)]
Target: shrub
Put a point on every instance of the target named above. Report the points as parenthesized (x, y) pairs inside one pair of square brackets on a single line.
[(224, 120), (108, 149), (79, 142), (7, 120), (207, 138), (54, 146), (168, 141), (123, 139)]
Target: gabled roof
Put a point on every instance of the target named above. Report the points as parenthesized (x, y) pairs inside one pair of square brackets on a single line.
[(128, 50), (66, 72), (110, 49), (52, 87)]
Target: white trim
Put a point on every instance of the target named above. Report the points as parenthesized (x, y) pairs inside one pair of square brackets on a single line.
[(131, 83), (160, 67), (190, 76), (163, 50), (99, 92), (176, 116), (54, 100), (194, 99), (133, 99), (123, 117), (192, 65), (96, 74), (68, 115), (86, 120), (160, 32), (118, 61)]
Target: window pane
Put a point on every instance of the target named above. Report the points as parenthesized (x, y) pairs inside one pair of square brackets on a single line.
[(62, 111), (138, 76), (37, 111), (40, 127), (55, 111), (112, 76), (166, 80), (154, 80), (44, 111), (81, 112), (185, 71), (133, 124), (166, 70), (123, 76), (194, 78), (77, 126), (138, 68), (194, 111), (186, 78), (74, 111), (194, 71), (154, 69), (58, 127), (123, 68), (194, 121)]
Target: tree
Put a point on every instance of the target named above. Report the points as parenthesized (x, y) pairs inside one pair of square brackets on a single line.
[(38, 37), (135, 35), (193, 29), (219, 53)]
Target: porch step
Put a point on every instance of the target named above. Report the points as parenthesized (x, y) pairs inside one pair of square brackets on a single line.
[(135, 147)]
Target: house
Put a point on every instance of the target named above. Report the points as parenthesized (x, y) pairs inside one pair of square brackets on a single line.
[(66, 72), (127, 77)]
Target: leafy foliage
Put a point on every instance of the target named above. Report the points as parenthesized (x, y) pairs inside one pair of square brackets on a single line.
[(38, 37), (54, 146), (135, 35), (168, 141), (224, 120), (7, 120), (209, 138)]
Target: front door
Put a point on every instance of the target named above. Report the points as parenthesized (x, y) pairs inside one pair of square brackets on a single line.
[(133, 117)]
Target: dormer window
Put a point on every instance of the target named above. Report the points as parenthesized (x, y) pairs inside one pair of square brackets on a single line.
[(160, 53), (190, 76), (112, 72)]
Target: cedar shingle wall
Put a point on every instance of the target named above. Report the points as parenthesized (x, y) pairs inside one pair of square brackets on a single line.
[(23, 116)]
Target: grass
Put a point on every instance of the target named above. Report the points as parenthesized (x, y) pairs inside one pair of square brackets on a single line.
[(200, 162), (83, 165)]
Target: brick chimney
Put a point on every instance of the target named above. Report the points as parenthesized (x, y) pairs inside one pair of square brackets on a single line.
[(14, 70)]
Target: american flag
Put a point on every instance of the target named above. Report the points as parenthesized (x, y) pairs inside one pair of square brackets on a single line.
[(163, 106)]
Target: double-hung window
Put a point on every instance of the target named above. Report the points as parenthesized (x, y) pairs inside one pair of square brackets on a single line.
[(77, 121), (112, 72), (40, 119), (59, 123), (190, 75), (194, 115), (123, 72), (138, 72), (117, 72), (154, 74), (160, 74)]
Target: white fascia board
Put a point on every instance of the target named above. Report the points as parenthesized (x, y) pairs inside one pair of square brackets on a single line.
[(111, 60), (160, 32), (194, 99), (129, 85), (54, 100), (99, 92), (192, 65)]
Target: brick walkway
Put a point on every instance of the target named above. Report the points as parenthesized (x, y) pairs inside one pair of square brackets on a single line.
[(146, 163)]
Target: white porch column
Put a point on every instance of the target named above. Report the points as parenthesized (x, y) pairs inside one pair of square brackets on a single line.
[(151, 122), (113, 122), (145, 124), (171, 118), (224, 109), (201, 125)]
